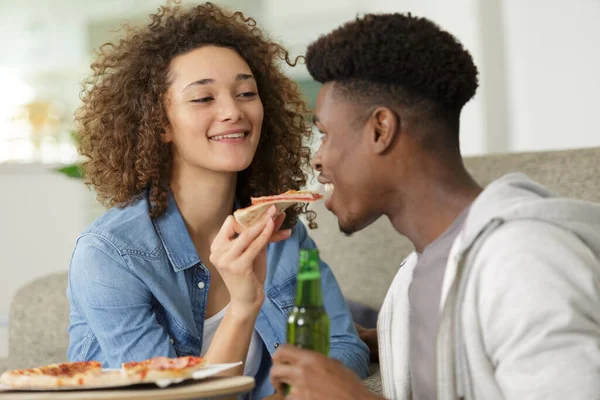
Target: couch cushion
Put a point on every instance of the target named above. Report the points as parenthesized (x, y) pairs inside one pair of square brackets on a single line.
[(570, 173), (38, 321)]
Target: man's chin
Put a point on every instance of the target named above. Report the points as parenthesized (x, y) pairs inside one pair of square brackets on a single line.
[(349, 222), (347, 227), (347, 232), (353, 224)]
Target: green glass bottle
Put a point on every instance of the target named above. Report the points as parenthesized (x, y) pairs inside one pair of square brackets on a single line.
[(308, 323)]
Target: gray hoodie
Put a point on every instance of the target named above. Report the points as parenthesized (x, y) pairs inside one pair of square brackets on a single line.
[(520, 301)]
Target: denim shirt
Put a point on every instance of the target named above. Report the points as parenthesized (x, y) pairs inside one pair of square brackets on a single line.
[(138, 289)]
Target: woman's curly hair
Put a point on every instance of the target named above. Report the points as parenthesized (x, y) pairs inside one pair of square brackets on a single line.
[(124, 114)]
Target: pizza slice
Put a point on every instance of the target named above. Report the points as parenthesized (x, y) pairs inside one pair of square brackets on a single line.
[(163, 368), (82, 374), (259, 205)]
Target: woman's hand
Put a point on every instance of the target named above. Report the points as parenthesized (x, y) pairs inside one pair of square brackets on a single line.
[(240, 257)]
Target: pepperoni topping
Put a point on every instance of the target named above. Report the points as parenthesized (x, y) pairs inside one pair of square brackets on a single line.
[(290, 195)]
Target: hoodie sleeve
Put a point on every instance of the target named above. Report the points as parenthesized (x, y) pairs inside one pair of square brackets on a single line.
[(538, 303)]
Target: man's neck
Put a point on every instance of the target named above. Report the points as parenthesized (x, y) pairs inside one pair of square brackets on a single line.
[(427, 207), (204, 199)]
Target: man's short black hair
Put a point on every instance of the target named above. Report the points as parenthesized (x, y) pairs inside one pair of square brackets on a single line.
[(387, 59)]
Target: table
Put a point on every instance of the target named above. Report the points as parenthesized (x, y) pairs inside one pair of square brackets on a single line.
[(191, 389)]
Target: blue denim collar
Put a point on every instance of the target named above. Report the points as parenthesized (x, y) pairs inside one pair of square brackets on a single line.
[(175, 237)]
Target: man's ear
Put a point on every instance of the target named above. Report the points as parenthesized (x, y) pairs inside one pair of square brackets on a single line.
[(384, 126)]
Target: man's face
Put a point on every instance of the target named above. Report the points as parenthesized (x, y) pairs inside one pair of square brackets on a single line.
[(345, 162)]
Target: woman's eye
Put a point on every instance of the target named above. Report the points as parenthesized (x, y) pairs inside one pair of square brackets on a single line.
[(247, 94), (202, 100)]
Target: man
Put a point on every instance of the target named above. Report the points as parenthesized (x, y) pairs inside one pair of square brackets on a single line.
[(501, 298)]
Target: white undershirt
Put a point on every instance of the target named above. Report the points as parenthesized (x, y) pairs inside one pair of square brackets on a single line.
[(254, 351)]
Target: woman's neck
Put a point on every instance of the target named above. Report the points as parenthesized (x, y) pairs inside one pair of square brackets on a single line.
[(204, 198)]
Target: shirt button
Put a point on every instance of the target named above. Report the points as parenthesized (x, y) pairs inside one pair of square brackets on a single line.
[(201, 285), (276, 345), (172, 340)]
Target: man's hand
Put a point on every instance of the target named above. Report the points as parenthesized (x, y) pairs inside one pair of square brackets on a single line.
[(369, 336), (311, 375)]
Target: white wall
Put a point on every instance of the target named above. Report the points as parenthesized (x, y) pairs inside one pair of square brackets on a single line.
[(553, 70), (47, 40), (296, 27), (41, 215)]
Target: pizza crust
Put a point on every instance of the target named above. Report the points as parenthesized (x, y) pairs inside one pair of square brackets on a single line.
[(250, 215), (89, 380), (185, 373), (164, 368)]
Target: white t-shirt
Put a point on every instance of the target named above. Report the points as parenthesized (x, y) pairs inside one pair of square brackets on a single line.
[(254, 351)]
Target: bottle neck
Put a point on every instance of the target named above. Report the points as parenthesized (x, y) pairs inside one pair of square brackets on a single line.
[(309, 292)]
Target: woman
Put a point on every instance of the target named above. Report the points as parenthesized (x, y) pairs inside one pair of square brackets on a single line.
[(182, 121)]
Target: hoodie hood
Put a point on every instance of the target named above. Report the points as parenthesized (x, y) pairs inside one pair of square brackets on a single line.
[(515, 196)]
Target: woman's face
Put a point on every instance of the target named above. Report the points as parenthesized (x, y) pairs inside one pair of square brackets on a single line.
[(214, 110)]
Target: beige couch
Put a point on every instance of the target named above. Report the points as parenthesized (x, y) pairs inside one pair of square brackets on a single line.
[(364, 263)]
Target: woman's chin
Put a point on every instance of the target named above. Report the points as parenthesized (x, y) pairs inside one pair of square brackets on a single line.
[(234, 165), (222, 164)]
